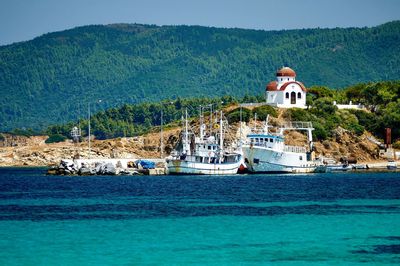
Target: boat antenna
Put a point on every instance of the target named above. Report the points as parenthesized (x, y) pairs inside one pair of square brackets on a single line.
[(255, 122), (266, 126)]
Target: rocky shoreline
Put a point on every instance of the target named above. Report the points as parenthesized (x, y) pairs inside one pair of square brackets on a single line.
[(108, 167)]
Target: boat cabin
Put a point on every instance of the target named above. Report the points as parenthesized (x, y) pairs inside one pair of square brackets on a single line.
[(206, 149), (267, 141)]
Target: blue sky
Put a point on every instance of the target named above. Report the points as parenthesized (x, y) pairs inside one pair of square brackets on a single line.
[(22, 20)]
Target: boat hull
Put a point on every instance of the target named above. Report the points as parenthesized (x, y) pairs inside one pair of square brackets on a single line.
[(194, 168), (264, 160)]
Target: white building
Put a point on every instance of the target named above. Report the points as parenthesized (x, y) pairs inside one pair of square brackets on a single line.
[(285, 91), (358, 106)]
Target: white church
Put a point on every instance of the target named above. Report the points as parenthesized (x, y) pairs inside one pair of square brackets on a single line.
[(285, 91)]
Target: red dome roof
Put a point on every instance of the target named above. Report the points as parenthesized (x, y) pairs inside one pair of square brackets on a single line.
[(286, 72), (272, 86), (302, 87)]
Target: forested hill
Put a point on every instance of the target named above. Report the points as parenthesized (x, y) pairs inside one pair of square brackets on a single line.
[(51, 79)]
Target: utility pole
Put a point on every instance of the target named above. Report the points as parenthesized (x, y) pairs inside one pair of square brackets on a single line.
[(89, 116), (255, 122)]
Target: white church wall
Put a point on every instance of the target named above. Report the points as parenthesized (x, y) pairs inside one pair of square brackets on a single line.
[(280, 97), (272, 97), (286, 102)]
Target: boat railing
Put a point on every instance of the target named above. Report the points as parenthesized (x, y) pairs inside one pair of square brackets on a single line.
[(297, 125), (258, 144), (296, 149), (262, 132)]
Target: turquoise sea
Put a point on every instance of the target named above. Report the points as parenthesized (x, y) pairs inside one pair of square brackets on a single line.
[(316, 219)]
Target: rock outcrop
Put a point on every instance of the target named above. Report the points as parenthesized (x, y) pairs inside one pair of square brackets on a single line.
[(33, 151)]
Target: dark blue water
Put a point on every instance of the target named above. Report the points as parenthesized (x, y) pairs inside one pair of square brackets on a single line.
[(340, 218)]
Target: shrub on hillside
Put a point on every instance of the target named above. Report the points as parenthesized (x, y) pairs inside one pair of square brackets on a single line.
[(297, 114), (55, 138), (349, 121), (396, 145), (321, 92), (357, 129), (265, 110), (234, 115), (319, 132), (323, 107), (370, 121), (23, 132)]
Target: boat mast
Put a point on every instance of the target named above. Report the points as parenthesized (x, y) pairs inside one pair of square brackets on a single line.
[(201, 123), (89, 129), (240, 124), (186, 144), (255, 122), (266, 125), (161, 134), (221, 137), (310, 140), (211, 119)]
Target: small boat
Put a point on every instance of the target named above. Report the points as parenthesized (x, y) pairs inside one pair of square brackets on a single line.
[(266, 152), (360, 166), (391, 165), (339, 167), (209, 156)]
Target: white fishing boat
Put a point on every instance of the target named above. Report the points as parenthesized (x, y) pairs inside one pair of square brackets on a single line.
[(267, 152), (208, 156)]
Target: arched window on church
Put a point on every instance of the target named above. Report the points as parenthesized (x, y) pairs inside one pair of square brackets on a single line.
[(293, 98), (299, 95), (287, 95)]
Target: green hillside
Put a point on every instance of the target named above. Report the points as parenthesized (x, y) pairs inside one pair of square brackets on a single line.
[(52, 78)]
